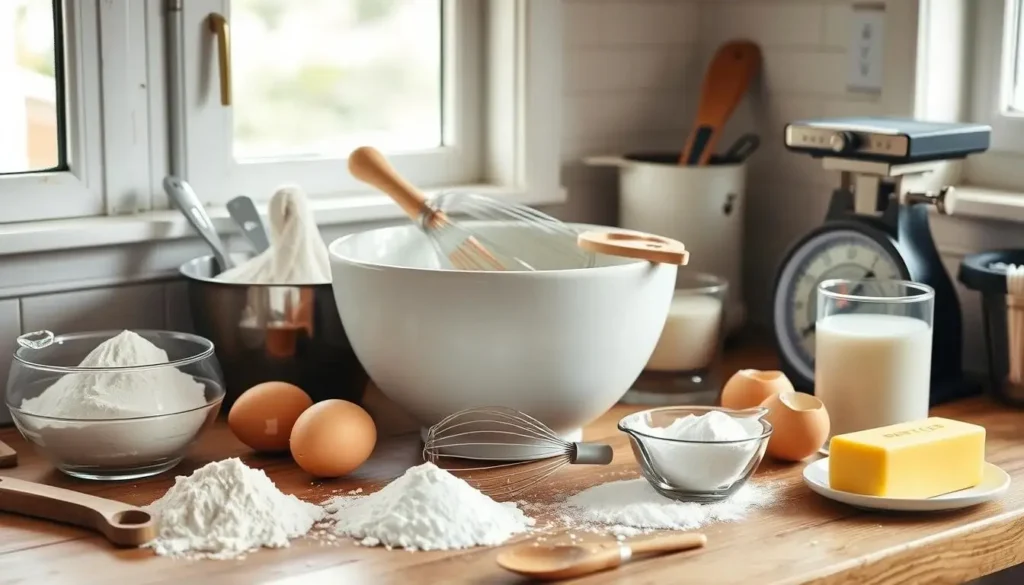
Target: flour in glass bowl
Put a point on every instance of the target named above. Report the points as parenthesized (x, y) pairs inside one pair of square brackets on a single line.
[(101, 413), (708, 459), (93, 395)]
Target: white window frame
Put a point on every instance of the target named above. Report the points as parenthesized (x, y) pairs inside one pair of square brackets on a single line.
[(78, 190), (107, 121), (217, 177), (994, 38), (521, 132)]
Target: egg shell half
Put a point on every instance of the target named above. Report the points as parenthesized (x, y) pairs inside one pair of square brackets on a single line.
[(749, 388), (800, 425), (263, 416), (333, 438)]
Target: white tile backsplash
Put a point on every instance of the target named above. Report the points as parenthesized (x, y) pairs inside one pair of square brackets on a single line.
[(770, 24), (123, 307), (639, 68)]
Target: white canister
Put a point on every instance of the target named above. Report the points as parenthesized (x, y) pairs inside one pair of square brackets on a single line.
[(701, 206)]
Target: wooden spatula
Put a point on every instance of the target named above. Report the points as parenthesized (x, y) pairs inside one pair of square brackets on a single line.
[(557, 562), (8, 456), (726, 80), (122, 524)]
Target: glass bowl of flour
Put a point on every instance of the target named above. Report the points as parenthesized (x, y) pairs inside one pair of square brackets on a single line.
[(113, 405), (697, 453)]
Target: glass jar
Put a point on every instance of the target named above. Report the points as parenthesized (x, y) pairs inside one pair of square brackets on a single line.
[(681, 369)]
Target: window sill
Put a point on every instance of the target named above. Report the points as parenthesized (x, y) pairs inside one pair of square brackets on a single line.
[(993, 204), (69, 234)]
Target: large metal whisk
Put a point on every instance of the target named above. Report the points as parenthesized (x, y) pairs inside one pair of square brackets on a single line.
[(531, 451), (549, 242)]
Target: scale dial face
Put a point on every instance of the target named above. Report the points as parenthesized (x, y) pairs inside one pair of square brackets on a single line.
[(836, 253)]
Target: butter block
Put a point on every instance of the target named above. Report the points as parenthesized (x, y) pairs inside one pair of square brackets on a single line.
[(919, 459)]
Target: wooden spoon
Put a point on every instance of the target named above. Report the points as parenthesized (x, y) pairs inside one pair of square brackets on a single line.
[(8, 456), (555, 562), (732, 68), (122, 524)]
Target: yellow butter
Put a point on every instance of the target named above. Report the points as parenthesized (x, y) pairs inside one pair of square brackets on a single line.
[(919, 459)]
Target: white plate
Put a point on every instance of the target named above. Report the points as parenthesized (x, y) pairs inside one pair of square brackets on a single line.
[(993, 484)]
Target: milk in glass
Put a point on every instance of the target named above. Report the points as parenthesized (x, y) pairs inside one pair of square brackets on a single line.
[(872, 370)]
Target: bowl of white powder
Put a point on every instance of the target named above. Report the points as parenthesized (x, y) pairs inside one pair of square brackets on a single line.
[(697, 453), (113, 404)]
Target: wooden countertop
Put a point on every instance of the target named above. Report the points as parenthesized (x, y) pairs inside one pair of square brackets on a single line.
[(802, 538)]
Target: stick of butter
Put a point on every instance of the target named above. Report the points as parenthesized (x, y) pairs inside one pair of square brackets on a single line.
[(919, 459)]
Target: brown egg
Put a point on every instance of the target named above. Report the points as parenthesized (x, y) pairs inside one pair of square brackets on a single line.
[(263, 415), (749, 388), (333, 438), (800, 425)]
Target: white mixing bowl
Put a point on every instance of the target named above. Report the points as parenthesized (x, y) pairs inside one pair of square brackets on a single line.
[(560, 345)]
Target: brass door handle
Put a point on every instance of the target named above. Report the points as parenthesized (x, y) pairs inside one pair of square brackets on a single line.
[(218, 25)]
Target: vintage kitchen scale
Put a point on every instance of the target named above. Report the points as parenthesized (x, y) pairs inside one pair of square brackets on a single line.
[(876, 227)]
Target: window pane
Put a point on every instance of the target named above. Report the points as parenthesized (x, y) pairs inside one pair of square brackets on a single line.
[(319, 77), (29, 126), (1017, 95)]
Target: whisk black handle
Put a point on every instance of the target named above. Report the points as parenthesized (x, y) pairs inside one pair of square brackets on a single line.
[(591, 454)]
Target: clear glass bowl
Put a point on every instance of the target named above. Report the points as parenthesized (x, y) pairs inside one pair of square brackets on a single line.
[(696, 471), (131, 442)]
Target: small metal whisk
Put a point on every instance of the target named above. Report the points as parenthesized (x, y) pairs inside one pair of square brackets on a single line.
[(531, 451), (550, 243)]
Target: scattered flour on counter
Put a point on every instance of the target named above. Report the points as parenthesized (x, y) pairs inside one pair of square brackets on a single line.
[(427, 508), (632, 507), (297, 253), (709, 464), (120, 394), (225, 510)]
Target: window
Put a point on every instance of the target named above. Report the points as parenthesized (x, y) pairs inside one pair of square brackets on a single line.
[(998, 97), (242, 96), (311, 80), (46, 155), (31, 130)]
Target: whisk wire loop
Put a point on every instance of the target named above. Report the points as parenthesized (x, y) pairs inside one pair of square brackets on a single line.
[(525, 451)]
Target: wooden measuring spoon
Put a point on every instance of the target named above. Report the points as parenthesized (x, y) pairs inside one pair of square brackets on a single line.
[(8, 456), (727, 79), (556, 562), (122, 524), (648, 247)]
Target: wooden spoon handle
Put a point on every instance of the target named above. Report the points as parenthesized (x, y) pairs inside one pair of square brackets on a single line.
[(122, 524), (728, 76), (8, 456), (635, 245), (369, 166), (669, 543)]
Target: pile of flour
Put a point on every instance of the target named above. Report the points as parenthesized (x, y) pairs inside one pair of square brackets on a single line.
[(120, 394), (297, 253), (632, 507), (427, 508), (226, 509)]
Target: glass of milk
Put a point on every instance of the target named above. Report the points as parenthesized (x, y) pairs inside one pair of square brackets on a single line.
[(873, 352), (679, 372)]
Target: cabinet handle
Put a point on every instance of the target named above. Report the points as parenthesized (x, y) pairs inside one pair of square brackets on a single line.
[(219, 27)]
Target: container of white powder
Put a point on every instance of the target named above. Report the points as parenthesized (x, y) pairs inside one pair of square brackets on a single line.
[(113, 404), (697, 454)]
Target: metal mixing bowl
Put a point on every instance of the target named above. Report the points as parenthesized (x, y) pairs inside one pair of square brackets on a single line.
[(270, 332)]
